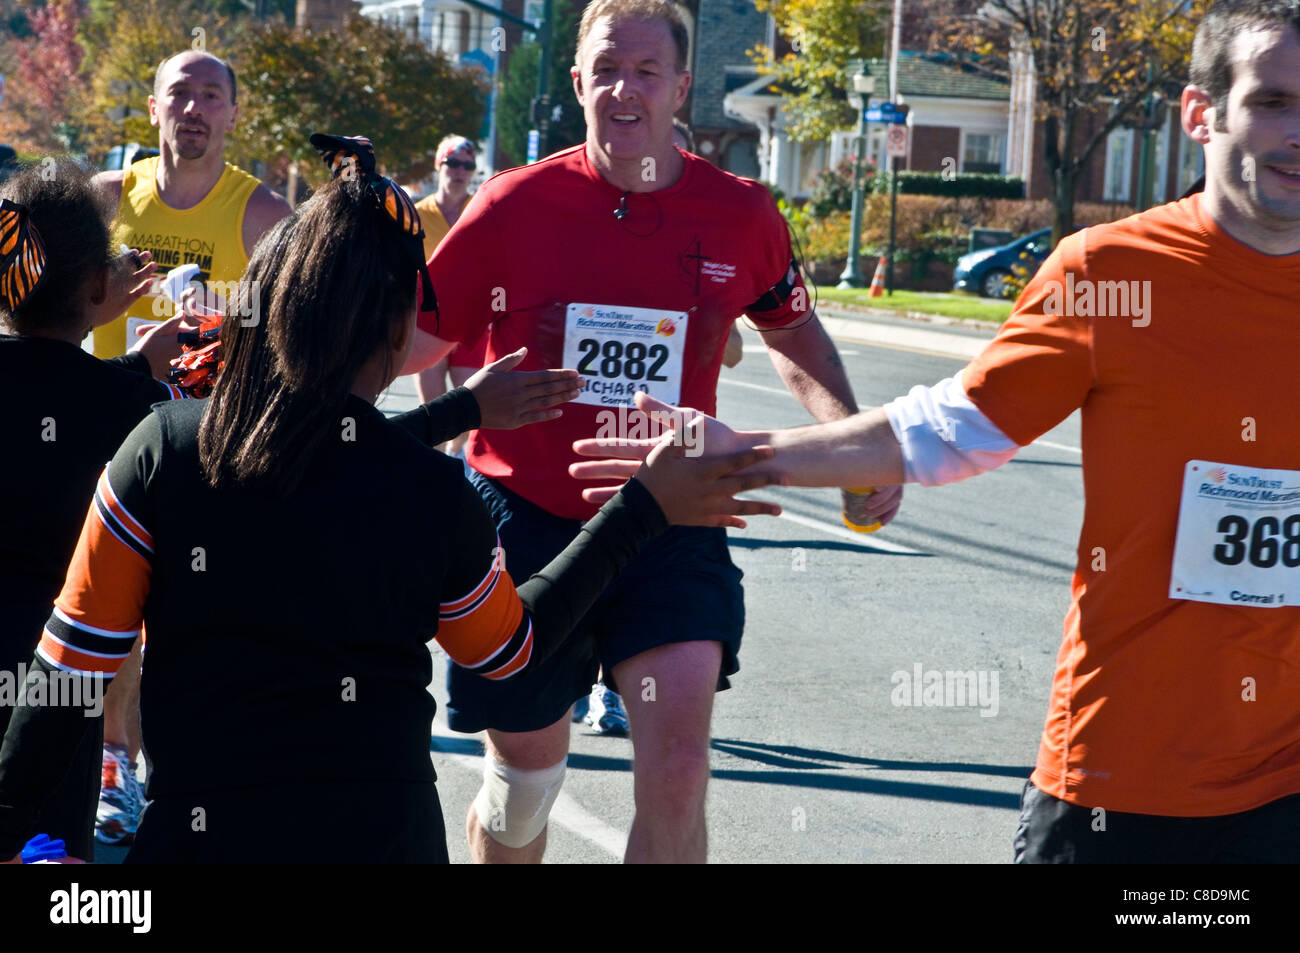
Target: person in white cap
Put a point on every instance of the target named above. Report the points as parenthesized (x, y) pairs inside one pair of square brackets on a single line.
[(456, 159)]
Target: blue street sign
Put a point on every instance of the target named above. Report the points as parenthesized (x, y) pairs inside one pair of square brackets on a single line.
[(886, 112)]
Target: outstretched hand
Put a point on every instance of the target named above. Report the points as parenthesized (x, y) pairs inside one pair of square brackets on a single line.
[(691, 468), (699, 491), (699, 435), (508, 399)]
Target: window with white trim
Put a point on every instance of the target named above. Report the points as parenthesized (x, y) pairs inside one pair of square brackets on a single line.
[(1118, 185), (812, 160), (982, 152)]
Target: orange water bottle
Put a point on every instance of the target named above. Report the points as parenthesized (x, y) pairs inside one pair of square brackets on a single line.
[(857, 528)]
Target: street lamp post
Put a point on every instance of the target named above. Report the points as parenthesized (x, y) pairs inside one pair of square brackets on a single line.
[(1153, 117), (863, 86)]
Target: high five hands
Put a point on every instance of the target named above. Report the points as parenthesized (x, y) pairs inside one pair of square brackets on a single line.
[(705, 438), (694, 486)]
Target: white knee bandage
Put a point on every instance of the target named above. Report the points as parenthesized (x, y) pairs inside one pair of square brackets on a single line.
[(513, 804)]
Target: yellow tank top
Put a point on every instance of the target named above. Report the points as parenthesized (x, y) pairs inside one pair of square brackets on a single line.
[(209, 235), (433, 222)]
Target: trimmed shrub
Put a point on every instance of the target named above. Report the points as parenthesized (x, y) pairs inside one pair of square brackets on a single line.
[(966, 185)]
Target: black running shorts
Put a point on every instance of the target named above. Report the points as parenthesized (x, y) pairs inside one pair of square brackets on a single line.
[(681, 587)]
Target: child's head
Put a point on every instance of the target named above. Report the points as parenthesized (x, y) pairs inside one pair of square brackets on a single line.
[(61, 211)]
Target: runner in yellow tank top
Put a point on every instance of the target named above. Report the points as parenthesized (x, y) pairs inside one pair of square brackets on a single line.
[(188, 204), (210, 235)]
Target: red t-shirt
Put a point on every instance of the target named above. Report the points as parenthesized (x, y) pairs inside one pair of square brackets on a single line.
[(469, 355), (1163, 704), (539, 253)]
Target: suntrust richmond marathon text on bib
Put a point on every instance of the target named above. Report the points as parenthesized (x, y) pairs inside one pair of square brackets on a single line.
[(1238, 540), (621, 350)]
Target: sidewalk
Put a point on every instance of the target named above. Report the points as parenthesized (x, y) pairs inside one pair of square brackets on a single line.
[(924, 334)]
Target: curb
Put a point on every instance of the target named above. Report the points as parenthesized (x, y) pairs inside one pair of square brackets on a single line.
[(856, 311)]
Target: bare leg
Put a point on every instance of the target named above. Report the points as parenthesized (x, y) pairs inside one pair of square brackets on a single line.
[(668, 693), (122, 706)]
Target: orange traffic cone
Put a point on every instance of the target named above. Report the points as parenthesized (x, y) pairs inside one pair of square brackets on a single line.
[(878, 281)]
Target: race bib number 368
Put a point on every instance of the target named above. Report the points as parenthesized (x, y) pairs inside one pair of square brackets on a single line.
[(619, 351), (1238, 537)]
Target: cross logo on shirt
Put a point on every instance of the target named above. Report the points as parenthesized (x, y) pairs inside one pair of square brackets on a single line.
[(694, 252)]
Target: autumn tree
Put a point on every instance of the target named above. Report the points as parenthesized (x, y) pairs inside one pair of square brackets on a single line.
[(372, 80), (1089, 58), (824, 36), (48, 93), (134, 40)]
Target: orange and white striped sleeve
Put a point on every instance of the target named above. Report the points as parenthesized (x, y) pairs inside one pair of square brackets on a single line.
[(98, 613), (486, 629)]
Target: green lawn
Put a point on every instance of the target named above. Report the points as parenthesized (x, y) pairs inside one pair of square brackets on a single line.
[(925, 302)]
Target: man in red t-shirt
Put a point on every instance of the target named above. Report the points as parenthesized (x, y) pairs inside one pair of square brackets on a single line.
[(629, 260), (1173, 733)]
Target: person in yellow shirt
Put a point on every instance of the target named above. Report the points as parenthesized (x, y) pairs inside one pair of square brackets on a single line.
[(186, 205), (456, 159)]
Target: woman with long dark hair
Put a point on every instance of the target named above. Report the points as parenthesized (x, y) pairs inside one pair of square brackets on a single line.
[(290, 552)]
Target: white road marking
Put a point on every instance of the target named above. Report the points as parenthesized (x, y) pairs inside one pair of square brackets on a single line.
[(1056, 446), (780, 391), (566, 812), (843, 532), (569, 813), (762, 349)]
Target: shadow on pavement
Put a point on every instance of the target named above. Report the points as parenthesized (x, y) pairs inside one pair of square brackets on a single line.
[(860, 785), (782, 756), (749, 542)]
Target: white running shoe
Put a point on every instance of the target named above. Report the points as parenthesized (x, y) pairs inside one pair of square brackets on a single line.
[(605, 711), (121, 799)]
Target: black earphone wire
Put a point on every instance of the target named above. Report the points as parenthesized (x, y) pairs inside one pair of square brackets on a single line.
[(622, 212)]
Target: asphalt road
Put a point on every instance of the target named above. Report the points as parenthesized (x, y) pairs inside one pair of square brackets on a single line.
[(813, 758)]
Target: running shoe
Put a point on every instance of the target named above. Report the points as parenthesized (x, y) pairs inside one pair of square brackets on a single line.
[(120, 800), (605, 711)]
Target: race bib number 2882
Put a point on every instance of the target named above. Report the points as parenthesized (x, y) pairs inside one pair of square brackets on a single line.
[(1238, 537), (620, 350)]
